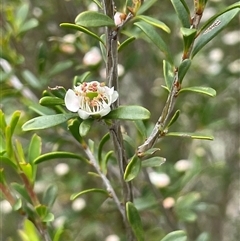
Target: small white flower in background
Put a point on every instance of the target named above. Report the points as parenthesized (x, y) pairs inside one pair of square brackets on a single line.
[(183, 165), (90, 99), (120, 70), (112, 237), (168, 202), (119, 18), (159, 179), (59, 221), (93, 7), (5, 206), (92, 57), (69, 38), (78, 204), (61, 169)]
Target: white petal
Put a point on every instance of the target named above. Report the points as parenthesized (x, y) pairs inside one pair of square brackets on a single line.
[(114, 96), (83, 114), (71, 101), (104, 111)]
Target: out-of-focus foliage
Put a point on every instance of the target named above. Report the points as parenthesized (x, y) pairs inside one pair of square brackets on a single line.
[(197, 186)]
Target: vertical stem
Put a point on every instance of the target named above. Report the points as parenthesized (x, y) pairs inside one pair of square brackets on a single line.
[(115, 130)]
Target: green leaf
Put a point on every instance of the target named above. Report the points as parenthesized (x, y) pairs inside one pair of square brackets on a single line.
[(57, 155), (183, 68), (60, 67), (58, 91), (80, 79), (96, 190), (93, 19), (85, 127), (30, 24), (3, 122), (39, 109), (50, 101), (14, 120), (135, 221), (149, 152), (8, 161), (173, 119), (203, 237), (73, 127), (58, 233), (168, 72), (178, 235), (200, 89), (153, 161), (102, 45), (104, 162), (2, 177), (27, 170), (46, 121), (141, 128), (188, 38), (29, 232), (21, 14), (17, 205), (213, 28), (183, 12), (190, 135), (31, 79), (132, 169), (21, 189), (82, 29), (103, 141), (154, 22), (50, 195), (44, 213), (155, 38), (145, 6), (131, 112), (125, 43)]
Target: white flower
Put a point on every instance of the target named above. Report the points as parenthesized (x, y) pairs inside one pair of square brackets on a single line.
[(78, 204), (183, 165), (90, 99), (159, 179), (92, 57)]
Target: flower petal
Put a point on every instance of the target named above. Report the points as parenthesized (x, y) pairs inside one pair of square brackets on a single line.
[(71, 101), (83, 114), (114, 96), (104, 111)]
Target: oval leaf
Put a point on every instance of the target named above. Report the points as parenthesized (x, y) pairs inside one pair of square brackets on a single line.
[(46, 121), (132, 169), (201, 89), (153, 161), (57, 155), (85, 127), (213, 28), (135, 221), (131, 112), (125, 43), (168, 72), (93, 19), (97, 190), (178, 235)]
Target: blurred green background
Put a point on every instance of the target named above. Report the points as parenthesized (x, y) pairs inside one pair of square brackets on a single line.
[(206, 193)]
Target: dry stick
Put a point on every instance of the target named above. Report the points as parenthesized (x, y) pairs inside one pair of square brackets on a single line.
[(115, 130)]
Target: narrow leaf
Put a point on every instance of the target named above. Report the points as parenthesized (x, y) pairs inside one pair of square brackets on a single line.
[(183, 68), (82, 29), (200, 89), (96, 190), (213, 28), (168, 72), (178, 235), (14, 120), (135, 221), (93, 19), (182, 11), (50, 195), (100, 147), (129, 113), (145, 6), (190, 135), (154, 22), (155, 38), (132, 169), (73, 126), (57, 155), (125, 43), (174, 118), (141, 128), (46, 121), (60, 67), (80, 79), (50, 101)]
